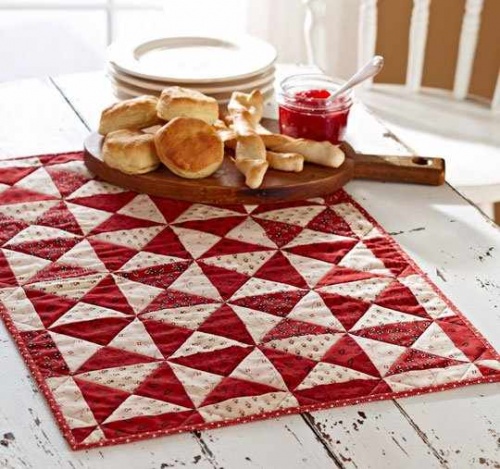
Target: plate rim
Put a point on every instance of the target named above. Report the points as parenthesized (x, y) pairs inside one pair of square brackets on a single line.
[(126, 50)]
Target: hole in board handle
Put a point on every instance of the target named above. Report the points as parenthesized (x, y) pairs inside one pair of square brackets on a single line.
[(421, 161)]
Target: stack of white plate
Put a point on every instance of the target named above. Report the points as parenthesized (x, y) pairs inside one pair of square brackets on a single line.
[(214, 66)]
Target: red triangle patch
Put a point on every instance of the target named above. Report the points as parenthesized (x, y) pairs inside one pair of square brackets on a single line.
[(60, 271), (226, 281), (9, 228), (60, 217), (174, 299), (118, 222), (230, 388), (329, 222), (400, 298), (113, 256), (412, 360), (169, 208), (398, 334), (346, 309), (343, 275), (106, 202), (49, 307), (219, 362), (385, 250), (224, 322), (51, 249), (167, 337), (161, 276), (167, 243), (347, 353), (279, 269), (328, 252), (79, 434), (102, 400), (163, 385), (7, 277), (292, 368), (107, 294), (99, 331), (219, 226), (110, 357), (455, 328), (66, 182), (49, 160), (12, 175), (17, 195), (45, 353), (279, 304), (232, 246), (279, 233), (292, 328)]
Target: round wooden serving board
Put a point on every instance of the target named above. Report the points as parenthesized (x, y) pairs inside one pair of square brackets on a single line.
[(227, 185)]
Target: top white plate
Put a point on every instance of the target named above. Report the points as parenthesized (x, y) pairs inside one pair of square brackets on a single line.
[(193, 59)]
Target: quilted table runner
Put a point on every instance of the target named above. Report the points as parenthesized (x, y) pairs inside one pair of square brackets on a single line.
[(141, 316)]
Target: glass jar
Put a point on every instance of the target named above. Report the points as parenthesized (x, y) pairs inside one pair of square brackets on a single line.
[(305, 110)]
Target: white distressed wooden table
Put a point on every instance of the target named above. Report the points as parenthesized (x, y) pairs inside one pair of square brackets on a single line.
[(448, 237)]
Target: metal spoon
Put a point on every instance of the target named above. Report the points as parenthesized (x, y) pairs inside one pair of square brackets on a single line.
[(369, 70)]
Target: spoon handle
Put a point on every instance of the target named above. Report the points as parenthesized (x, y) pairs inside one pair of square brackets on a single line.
[(371, 69)]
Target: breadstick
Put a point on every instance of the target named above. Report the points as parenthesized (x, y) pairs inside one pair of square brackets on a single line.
[(291, 162), (254, 171), (322, 153)]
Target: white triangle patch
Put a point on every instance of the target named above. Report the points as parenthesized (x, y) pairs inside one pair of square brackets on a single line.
[(312, 309), (380, 316), (28, 211), (135, 338), (246, 263), (426, 296), (435, 341), (88, 218), (205, 212), (74, 288), (195, 282), (382, 354), (308, 346), (135, 238), (190, 317), (366, 290), (197, 384), (138, 295), (258, 286), (300, 216), (138, 406), (86, 312), (84, 256), (257, 368), (308, 236), (125, 378), (251, 232), (96, 188), (359, 225), (40, 182), (328, 373), (257, 323), (200, 342), (21, 310), (362, 259), (196, 242), (74, 351), (143, 260), (24, 266), (39, 233), (311, 270), (143, 207), (94, 437)]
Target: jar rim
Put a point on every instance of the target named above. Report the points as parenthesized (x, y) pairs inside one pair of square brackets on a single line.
[(307, 81)]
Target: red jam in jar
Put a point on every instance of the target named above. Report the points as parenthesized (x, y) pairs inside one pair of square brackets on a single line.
[(306, 110)]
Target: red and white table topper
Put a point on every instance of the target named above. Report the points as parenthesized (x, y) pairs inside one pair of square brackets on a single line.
[(141, 316)]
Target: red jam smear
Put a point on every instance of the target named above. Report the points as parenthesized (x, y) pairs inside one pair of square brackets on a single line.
[(305, 116)]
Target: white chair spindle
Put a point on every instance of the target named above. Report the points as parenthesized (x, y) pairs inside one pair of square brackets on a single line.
[(367, 34), (418, 39), (314, 10), (467, 47)]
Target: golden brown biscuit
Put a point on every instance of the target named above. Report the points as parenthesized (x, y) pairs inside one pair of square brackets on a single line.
[(183, 102), (130, 151), (189, 147), (133, 114)]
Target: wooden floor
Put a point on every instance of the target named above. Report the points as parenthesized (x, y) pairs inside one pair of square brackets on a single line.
[(448, 237)]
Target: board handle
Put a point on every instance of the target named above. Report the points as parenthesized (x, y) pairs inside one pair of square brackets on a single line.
[(408, 169)]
